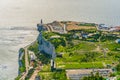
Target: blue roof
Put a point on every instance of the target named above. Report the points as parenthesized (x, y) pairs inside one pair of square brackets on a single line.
[(103, 25), (118, 40)]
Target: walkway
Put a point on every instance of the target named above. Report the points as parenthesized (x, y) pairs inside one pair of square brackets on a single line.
[(35, 73), (26, 63)]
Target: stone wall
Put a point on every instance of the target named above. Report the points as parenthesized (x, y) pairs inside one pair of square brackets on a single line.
[(45, 46)]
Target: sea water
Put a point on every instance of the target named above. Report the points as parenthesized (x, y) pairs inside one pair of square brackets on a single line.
[(10, 43)]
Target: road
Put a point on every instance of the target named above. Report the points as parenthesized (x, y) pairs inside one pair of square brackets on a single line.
[(37, 69), (26, 63), (35, 73)]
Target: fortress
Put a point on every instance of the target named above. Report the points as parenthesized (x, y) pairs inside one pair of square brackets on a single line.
[(54, 27), (44, 45)]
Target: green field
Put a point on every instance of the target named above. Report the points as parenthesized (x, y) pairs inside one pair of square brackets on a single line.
[(96, 51), (83, 53)]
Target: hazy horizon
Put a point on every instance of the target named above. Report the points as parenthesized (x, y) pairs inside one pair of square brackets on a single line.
[(29, 12)]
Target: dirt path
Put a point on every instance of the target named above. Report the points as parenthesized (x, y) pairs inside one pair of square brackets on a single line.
[(26, 63), (35, 73)]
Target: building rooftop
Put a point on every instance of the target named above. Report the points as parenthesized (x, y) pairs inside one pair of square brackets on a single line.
[(86, 71), (79, 71)]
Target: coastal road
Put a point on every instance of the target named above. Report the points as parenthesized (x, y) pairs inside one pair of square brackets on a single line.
[(26, 63), (35, 73)]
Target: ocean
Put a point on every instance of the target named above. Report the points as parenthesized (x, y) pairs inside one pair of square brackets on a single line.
[(10, 43), (27, 13)]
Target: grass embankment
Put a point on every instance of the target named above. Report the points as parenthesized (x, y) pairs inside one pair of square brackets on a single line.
[(22, 67), (53, 75), (34, 47)]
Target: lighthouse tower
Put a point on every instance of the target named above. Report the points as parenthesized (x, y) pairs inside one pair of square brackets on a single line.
[(64, 28), (40, 26)]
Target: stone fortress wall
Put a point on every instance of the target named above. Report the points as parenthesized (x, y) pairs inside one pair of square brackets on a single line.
[(44, 45)]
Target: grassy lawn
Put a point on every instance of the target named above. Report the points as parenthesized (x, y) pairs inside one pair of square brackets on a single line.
[(79, 54), (76, 65), (53, 75), (46, 68), (46, 75), (112, 46), (89, 46), (80, 49)]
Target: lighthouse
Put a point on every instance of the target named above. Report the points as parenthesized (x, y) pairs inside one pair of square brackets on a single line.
[(40, 26), (52, 65), (64, 28)]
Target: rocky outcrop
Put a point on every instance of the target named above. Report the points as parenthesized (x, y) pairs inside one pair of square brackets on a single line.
[(44, 45)]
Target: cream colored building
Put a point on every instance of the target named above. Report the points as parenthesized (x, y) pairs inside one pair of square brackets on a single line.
[(78, 74)]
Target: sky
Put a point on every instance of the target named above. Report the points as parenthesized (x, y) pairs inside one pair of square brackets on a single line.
[(29, 12)]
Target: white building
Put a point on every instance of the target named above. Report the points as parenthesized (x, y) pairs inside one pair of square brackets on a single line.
[(103, 27)]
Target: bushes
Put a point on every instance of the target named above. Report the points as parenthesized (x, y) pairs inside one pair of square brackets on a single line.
[(86, 46), (18, 77), (87, 24), (58, 41), (91, 56), (34, 47), (112, 46), (22, 67), (108, 38), (29, 74), (43, 57), (118, 67), (61, 75), (94, 77), (60, 48)]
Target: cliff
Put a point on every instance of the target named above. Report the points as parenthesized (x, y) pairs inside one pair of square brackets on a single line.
[(44, 45)]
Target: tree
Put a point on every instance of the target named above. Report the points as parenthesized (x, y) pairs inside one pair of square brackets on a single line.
[(118, 67), (60, 48), (93, 77)]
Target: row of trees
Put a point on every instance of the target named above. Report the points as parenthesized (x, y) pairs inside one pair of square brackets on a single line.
[(91, 56), (58, 41)]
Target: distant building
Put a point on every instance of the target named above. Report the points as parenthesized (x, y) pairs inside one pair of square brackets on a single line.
[(103, 27), (56, 27), (103, 72), (64, 28), (116, 28), (84, 35), (32, 57), (76, 35), (78, 74)]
